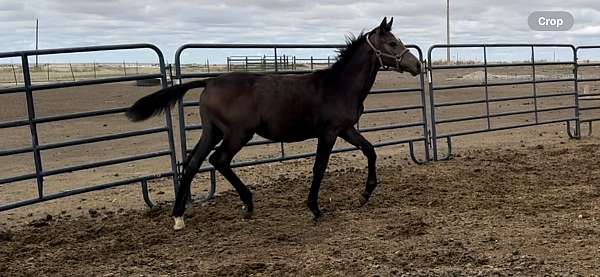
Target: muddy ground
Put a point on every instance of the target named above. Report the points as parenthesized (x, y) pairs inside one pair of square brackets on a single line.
[(529, 210)]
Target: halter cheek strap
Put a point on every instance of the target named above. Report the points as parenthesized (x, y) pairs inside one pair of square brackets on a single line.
[(398, 58)]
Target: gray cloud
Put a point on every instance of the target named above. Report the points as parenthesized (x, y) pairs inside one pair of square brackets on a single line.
[(168, 24)]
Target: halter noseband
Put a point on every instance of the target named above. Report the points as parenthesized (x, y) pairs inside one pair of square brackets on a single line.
[(379, 53)]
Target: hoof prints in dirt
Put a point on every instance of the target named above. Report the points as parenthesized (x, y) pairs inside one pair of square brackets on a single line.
[(531, 211)]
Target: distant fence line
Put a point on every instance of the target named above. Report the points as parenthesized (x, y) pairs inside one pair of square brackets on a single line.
[(52, 72), (284, 62), (61, 72)]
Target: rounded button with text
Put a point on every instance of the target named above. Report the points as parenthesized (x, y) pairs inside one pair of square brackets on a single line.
[(551, 21)]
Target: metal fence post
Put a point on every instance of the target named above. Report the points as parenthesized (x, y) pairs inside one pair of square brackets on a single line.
[(72, 73), (33, 126), (485, 81), (533, 76), (576, 88), (15, 74), (422, 77), (170, 133), (432, 105), (275, 52)]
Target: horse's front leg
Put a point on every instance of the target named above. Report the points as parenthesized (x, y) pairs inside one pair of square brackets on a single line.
[(353, 137), (324, 147)]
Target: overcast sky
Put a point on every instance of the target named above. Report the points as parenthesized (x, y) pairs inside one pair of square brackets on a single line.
[(169, 24)]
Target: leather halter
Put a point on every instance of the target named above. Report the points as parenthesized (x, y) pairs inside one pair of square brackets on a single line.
[(379, 53)]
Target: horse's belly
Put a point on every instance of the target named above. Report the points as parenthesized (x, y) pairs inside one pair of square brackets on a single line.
[(287, 132)]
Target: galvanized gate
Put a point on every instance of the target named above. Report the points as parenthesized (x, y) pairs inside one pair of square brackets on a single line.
[(34, 121), (184, 126), (485, 100), (586, 77)]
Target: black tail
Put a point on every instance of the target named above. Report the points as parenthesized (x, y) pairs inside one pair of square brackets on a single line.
[(159, 101)]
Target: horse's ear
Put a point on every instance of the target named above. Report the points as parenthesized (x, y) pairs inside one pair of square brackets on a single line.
[(389, 25), (383, 25)]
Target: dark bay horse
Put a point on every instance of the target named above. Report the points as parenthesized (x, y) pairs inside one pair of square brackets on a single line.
[(324, 104)]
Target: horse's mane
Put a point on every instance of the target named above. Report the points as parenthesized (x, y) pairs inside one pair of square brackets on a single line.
[(353, 43)]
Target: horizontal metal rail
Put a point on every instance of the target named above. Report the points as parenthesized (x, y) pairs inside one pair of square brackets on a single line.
[(517, 126), (105, 163), (588, 80), (102, 138), (497, 84), (492, 65), (587, 64), (11, 90), (95, 81), (502, 99), (493, 115), (82, 190)]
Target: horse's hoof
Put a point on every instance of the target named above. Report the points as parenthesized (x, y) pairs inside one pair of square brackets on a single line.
[(362, 200), (179, 223), (320, 215), (246, 213), (316, 213)]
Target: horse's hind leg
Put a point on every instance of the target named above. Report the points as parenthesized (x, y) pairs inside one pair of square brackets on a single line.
[(353, 137), (324, 147), (210, 137), (221, 160)]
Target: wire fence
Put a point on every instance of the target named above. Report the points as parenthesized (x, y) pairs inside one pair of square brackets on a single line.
[(12, 74)]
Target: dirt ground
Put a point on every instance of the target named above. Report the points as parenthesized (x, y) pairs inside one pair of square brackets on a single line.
[(521, 202), (489, 212)]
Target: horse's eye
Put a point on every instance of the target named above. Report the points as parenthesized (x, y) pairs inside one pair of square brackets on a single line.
[(393, 44)]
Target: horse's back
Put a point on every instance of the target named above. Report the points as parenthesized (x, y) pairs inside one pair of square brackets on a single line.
[(278, 107)]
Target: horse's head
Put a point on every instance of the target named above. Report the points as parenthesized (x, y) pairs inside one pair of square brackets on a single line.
[(390, 51)]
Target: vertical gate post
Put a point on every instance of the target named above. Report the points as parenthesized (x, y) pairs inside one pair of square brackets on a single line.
[(487, 94), (576, 87), (15, 74), (170, 134), (33, 126), (275, 53), (432, 105), (422, 77), (534, 85)]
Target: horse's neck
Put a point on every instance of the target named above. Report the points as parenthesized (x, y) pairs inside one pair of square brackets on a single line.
[(358, 75)]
